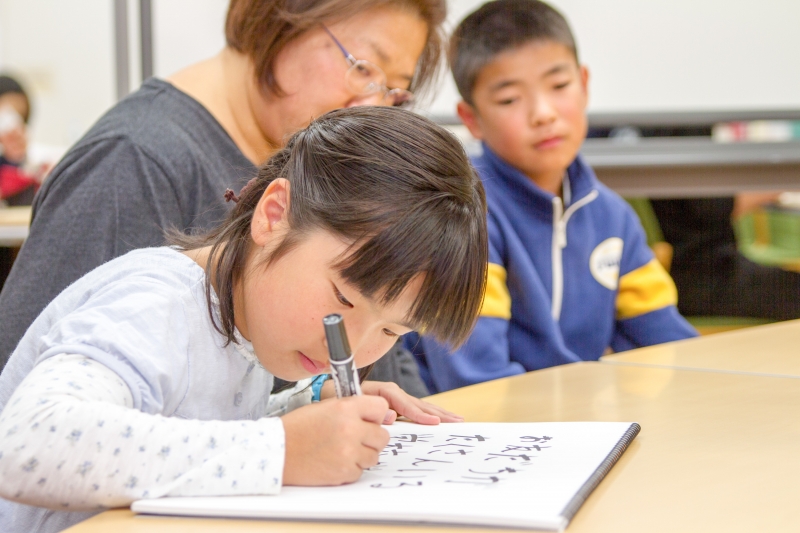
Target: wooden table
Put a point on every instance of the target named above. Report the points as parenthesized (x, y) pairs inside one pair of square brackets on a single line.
[(772, 349), (14, 225), (718, 451)]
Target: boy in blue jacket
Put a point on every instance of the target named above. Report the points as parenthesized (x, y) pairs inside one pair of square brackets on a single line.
[(570, 273)]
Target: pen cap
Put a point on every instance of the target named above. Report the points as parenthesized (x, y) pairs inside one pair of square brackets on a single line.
[(338, 346)]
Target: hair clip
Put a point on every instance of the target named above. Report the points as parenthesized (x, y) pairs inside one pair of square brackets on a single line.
[(230, 195)]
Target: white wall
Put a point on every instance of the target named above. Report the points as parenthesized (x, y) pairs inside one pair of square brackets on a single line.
[(63, 52), (186, 31), (644, 55), (678, 55)]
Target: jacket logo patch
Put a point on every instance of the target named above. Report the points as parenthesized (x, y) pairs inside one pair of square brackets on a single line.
[(604, 262)]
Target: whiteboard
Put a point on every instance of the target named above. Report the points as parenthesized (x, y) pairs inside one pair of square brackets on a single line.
[(185, 32), (644, 56), (63, 53), (676, 55)]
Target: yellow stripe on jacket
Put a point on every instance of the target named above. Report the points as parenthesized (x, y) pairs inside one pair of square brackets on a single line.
[(646, 289), (497, 300)]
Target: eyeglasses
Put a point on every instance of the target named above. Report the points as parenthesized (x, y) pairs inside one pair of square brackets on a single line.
[(365, 78)]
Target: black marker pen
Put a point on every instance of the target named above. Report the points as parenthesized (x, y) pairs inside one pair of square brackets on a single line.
[(343, 364)]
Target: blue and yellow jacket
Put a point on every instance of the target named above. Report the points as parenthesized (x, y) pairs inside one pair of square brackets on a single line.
[(567, 279)]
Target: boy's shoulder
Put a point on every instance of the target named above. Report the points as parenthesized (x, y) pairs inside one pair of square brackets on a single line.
[(521, 213), (505, 184), (611, 200)]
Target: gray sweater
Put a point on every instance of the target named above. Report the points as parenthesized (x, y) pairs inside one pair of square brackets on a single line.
[(156, 160)]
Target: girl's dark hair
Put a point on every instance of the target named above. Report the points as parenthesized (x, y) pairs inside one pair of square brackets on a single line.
[(396, 186), (10, 85), (262, 28)]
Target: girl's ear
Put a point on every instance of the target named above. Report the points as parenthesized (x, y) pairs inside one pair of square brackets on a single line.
[(271, 215)]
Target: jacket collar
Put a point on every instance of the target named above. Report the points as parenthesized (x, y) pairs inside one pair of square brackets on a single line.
[(582, 179)]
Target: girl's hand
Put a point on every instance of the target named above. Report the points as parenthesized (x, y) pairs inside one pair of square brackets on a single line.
[(332, 442), (400, 403), (403, 404)]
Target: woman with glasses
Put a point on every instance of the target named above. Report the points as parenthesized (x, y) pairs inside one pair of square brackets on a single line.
[(163, 157)]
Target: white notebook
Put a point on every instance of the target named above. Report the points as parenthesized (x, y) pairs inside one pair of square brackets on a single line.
[(526, 475)]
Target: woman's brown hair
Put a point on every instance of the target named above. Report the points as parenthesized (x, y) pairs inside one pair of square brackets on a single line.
[(262, 28), (396, 186)]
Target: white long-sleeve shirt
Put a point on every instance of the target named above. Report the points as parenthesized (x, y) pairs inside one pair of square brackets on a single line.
[(123, 390)]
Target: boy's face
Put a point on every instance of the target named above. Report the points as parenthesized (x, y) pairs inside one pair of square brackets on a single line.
[(530, 108)]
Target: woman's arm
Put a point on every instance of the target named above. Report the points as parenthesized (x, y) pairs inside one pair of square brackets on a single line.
[(71, 440)]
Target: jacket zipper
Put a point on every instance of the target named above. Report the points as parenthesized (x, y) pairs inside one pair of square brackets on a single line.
[(560, 219)]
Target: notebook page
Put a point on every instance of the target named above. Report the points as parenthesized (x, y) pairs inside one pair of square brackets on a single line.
[(492, 474)]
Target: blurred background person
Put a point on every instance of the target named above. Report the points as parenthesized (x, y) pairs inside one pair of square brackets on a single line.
[(18, 182)]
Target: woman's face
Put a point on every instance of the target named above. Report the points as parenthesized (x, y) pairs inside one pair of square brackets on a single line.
[(311, 69)]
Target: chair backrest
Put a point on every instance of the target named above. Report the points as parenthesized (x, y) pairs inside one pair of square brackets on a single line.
[(652, 229), (648, 219)]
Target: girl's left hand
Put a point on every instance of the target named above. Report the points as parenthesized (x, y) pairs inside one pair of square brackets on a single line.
[(400, 403)]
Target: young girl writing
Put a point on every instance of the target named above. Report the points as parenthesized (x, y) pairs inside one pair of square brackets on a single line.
[(151, 375)]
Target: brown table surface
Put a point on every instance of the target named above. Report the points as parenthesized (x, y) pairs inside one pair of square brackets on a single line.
[(14, 225), (772, 349), (15, 216), (718, 452)]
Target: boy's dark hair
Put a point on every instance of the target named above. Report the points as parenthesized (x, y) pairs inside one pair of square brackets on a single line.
[(10, 85), (262, 28), (397, 186), (500, 26)]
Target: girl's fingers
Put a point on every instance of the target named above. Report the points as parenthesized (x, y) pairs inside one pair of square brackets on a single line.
[(375, 439), (391, 416), (421, 417), (369, 408), (409, 408), (449, 417), (444, 414), (412, 408), (367, 459), (416, 408)]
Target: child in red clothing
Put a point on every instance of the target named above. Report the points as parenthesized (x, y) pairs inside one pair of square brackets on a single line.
[(14, 181), (16, 185)]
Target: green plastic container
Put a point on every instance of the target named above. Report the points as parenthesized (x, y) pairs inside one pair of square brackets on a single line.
[(784, 230)]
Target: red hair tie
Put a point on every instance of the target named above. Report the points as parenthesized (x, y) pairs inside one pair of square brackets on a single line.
[(230, 195)]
